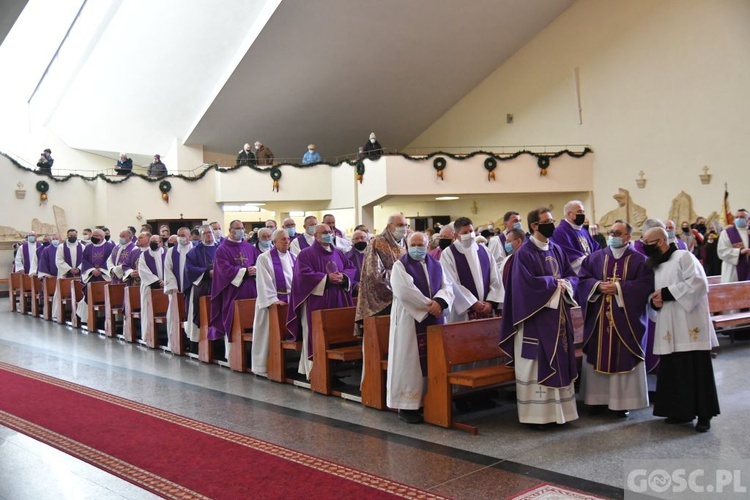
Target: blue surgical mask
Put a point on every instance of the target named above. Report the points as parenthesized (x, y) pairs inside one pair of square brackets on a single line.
[(508, 248), (740, 222), (239, 234), (670, 235), (32, 239), (291, 231), (417, 253), (55, 243), (123, 241), (310, 230), (265, 245), (518, 225), (326, 238), (615, 242)]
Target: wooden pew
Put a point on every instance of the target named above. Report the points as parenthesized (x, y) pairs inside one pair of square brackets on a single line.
[(37, 296), (333, 340), (26, 291), (159, 306), (95, 302), (14, 291), (725, 303), (63, 298), (114, 296), (205, 353), (375, 363), (279, 343), (178, 343), (242, 333), (76, 295), (456, 344), (48, 286), (131, 313), (714, 280)]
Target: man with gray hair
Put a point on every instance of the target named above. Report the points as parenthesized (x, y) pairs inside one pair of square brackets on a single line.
[(375, 295), (93, 268), (570, 236), (245, 157), (199, 272), (422, 296), (175, 282), (445, 239), (264, 239)]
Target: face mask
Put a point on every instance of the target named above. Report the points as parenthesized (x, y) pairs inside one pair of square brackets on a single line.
[(291, 231), (651, 250), (685, 230), (701, 228), (579, 219), (444, 243), (45, 243), (360, 245), (372, 141), (217, 234), (740, 222), (55, 243), (546, 230), (490, 227), (107, 237), (32, 239), (123, 241), (311, 150), (417, 253), (153, 246), (310, 230), (615, 242), (399, 233), (170, 245), (585, 227), (467, 239), (182, 240), (508, 248), (239, 234), (72, 239), (518, 225), (86, 237), (265, 245), (326, 238), (95, 240), (670, 235)]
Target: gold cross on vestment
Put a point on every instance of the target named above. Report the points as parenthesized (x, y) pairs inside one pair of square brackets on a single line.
[(694, 334), (667, 337), (541, 392), (241, 259)]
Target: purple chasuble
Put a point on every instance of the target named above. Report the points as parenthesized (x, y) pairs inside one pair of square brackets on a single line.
[(231, 256), (743, 263), (464, 271), (575, 243), (199, 261), (357, 258), (615, 337), (313, 265), (547, 333), (95, 257), (122, 259), (47, 262), (278, 273)]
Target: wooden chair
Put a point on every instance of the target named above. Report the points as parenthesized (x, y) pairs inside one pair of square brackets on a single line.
[(451, 345), (131, 313), (726, 302), (114, 297), (333, 340), (242, 333), (37, 296), (159, 307), (49, 284), (14, 291), (95, 302), (76, 295), (279, 343), (375, 366), (205, 353)]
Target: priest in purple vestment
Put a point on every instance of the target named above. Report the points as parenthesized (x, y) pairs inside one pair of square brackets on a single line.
[(323, 279), (733, 249), (47, 265), (357, 256), (93, 268), (575, 242), (199, 272), (671, 229), (130, 267), (120, 256), (234, 278), (305, 238), (613, 289), (26, 254), (536, 330)]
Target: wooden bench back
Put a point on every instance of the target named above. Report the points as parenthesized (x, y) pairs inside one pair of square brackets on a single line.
[(337, 324), (77, 290), (50, 282), (26, 282), (96, 292), (134, 297), (376, 330), (116, 294), (469, 341), (159, 302), (277, 314), (64, 285), (244, 312), (16, 280), (727, 296)]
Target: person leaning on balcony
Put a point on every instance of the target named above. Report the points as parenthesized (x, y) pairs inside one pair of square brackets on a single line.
[(45, 162), (372, 148), (246, 157), (263, 155), (157, 168), (311, 156), (124, 165)]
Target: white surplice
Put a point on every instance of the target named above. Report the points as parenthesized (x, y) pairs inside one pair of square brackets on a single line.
[(171, 289), (62, 269), (405, 385), (148, 278), (294, 246), (267, 296), (729, 255), (463, 298), (497, 250)]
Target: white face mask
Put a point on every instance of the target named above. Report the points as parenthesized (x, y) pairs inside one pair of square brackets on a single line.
[(217, 234), (467, 239), (399, 233), (310, 230), (372, 141), (182, 240)]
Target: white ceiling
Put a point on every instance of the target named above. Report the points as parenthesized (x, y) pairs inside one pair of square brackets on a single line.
[(287, 72), (9, 12)]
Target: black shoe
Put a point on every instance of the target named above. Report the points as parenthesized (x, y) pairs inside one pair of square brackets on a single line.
[(539, 427), (410, 416), (703, 425), (597, 409), (621, 413), (675, 420)]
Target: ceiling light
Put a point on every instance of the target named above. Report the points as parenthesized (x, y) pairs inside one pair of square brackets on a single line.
[(447, 198)]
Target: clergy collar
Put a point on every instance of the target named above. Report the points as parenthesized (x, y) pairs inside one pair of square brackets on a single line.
[(577, 228), (541, 245), (618, 252)]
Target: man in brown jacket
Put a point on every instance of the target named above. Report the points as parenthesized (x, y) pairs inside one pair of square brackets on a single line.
[(263, 155)]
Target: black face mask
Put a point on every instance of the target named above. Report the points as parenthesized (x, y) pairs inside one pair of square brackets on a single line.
[(106, 237), (170, 245), (95, 240), (444, 243), (585, 227), (360, 245), (45, 243), (686, 230), (701, 228), (164, 240), (546, 230), (72, 239), (487, 234), (153, 245), (579, 219), (651, 250)]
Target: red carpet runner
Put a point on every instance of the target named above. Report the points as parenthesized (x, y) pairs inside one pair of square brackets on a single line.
[(170, 455)]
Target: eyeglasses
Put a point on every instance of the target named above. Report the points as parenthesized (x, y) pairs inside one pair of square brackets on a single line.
[(652, 242), (616, 234)]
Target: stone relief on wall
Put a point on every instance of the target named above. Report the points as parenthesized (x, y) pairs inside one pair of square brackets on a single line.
[(10, 235), (682, 209), (626, 210)]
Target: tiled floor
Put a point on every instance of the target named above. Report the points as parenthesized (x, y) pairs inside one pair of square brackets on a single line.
[(505, 457)]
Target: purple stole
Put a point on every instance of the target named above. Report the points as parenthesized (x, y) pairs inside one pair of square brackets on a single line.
[(176, 267), (743, 264), (278, 272), (464, 271), (27, 257), (302, 241), (502, 239), (151, 263), (435, 272), (68, 258)]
